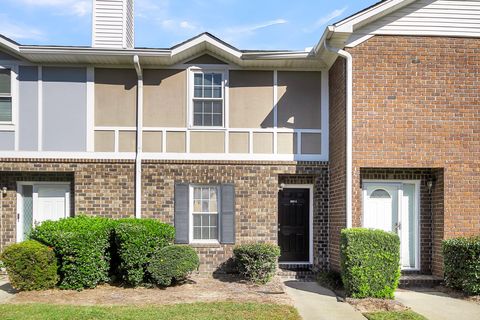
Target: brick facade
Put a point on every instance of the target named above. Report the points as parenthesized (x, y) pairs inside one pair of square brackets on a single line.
[(416, 104), (106, 188), (337, 118)]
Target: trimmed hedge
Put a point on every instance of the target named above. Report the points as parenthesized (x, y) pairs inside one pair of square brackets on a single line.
[(136, 240), (370, 263), (462, 264), (257, 262), (172, 264), (30, 265), (82, 246)]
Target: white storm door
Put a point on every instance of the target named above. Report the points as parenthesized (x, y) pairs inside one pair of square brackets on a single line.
[(380, 206), (50, 202), (393, 207)]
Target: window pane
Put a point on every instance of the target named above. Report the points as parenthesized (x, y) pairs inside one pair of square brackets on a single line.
[(217, 107), (207, 120), (197, 92), (197, 193), (207, 107), (6, 109), (5, 83), (198, 79), (213, 206), (213, 220), (205, 206), (205, 193), (217, 120), (217, 79), (197, 206), (213, 233), (217, 92), (207, 92), (197, 106), (208, 79), (197, 233), (197, 220), (197, 120), (213, 194)]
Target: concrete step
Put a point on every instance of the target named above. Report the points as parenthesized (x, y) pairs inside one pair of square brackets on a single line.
[(419, 280)]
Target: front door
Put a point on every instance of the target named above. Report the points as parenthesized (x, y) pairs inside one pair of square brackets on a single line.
[(393, 207), (293, 224), (38, 202)]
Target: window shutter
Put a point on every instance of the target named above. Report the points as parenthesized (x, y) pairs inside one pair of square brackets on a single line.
[(227, 216), (181, 213)]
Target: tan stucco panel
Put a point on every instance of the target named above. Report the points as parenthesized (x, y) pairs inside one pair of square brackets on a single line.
[(207, 142), (164, 98), (299, 99), (251, 99), (115, 97), (127, 141), (104, 141), (311, 143), (176, 142), (152, 141), (286, 142), (262, 142), (238, 142)]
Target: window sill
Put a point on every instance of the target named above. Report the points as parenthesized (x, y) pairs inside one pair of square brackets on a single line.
[(206, 245), (7, 126)]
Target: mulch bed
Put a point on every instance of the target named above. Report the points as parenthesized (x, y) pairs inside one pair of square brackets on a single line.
[(198, 289), (374, 305)]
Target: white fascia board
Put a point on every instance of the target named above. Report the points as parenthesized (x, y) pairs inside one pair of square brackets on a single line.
[(363, 18), (8, 44), (93, 51), (205, 39)]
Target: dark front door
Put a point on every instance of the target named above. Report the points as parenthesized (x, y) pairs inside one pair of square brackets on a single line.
[(293, 224)]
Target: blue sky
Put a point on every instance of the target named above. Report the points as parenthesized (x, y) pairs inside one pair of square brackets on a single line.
[(246, 24)]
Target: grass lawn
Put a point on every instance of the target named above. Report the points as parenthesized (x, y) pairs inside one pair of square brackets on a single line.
[(197, 311), (394, 315)]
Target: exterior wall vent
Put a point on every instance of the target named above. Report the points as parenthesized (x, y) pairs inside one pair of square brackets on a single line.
[(113, 24)]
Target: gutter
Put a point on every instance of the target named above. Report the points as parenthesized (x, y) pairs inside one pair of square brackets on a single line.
[(138, 152), (348, 145)]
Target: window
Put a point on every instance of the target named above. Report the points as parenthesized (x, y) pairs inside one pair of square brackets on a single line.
[(380, 194), (205, 213), (208, 104), (5, 96)]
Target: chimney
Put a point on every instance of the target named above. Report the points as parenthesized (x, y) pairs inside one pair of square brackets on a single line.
[(113, 24)]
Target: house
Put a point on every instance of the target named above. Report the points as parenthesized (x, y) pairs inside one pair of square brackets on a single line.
[(377, 126)]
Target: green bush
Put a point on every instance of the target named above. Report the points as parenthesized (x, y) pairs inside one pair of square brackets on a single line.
[(30, 265), (257, 262), (462, 264), (136, 240), (370, 262), (330, 279), (172, 264), (82, 247)]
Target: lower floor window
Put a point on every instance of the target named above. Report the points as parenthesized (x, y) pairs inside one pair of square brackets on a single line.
[(205, 213)]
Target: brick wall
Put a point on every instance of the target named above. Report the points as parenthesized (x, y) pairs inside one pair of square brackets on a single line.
[(337, 109), (106, 188), (416, 104)]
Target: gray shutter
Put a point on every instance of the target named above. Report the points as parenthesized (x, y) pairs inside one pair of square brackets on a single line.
[(181, 213), (227, 216)]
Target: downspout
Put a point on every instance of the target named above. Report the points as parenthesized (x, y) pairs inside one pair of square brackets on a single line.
[(138, 153), (348, 144)]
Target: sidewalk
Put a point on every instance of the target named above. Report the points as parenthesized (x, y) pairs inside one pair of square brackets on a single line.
[(6, 290), (317, 303), (436, 305)]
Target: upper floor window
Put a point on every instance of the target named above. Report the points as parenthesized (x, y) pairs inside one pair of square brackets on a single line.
[(208, 99), (5, 95)]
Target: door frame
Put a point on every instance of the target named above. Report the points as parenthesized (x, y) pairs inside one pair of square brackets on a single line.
[(310, 221), (19, 217), (416, 214)]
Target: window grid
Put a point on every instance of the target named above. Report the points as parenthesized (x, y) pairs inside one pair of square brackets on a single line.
[(205, 213), (5, 95), (208, 99)]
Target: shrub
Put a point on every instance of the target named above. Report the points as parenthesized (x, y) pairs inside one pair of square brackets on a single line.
[(257, 262), (136, 240), (30, 265), (330, 279), (370, 262), (172, 264), (462, 264), (82, 246)]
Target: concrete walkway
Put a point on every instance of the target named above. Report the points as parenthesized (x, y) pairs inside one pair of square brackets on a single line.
[(317, 303), (435, 305), (6, 290)]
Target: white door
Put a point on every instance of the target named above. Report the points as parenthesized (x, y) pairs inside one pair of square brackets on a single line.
[(41, 202), (393, 207)]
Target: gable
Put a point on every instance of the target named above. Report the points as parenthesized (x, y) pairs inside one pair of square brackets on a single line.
[(205, 59), (425, 17)]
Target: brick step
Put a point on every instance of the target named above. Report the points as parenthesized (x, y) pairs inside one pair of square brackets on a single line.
[(294, 271), (419, 280)]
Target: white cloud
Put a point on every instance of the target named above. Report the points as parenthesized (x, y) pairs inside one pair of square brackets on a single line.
[(78, 8), (326, 18), (19, 31), (254, 27)]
